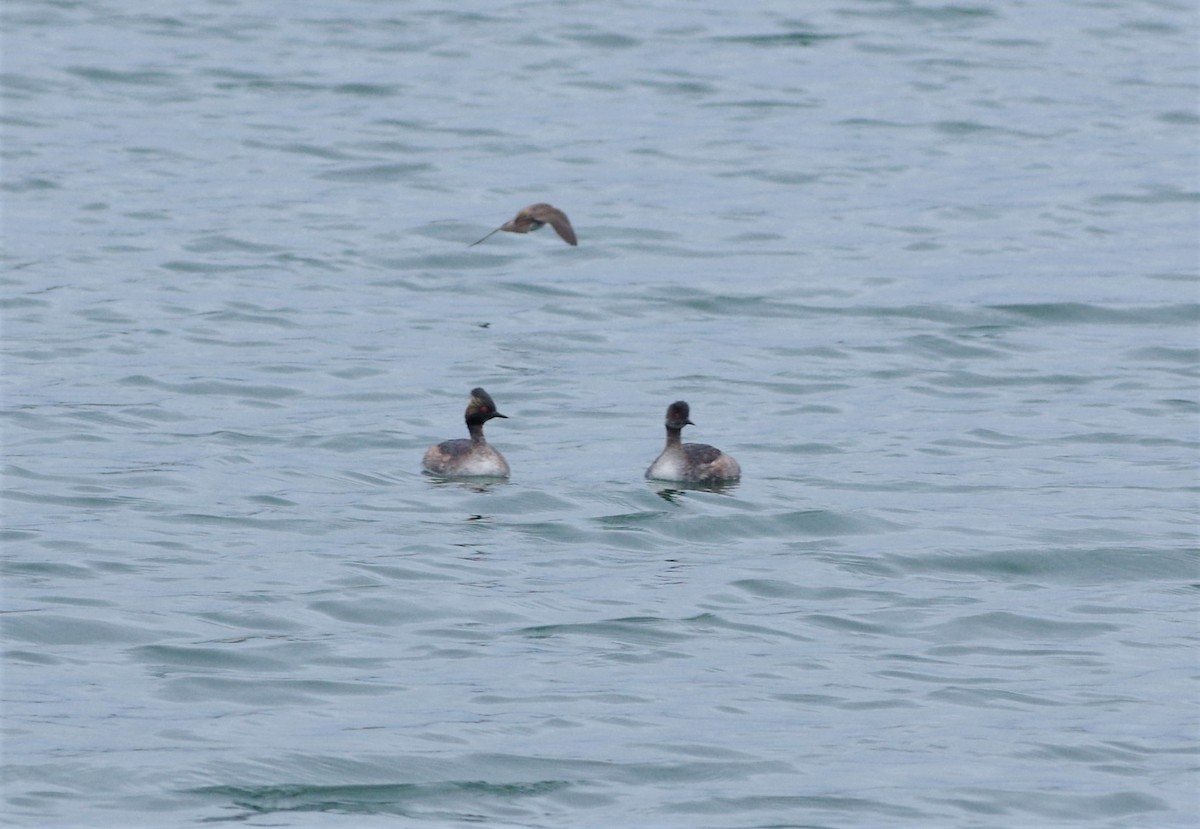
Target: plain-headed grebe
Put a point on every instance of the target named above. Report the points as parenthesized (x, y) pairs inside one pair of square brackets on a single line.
[(472, 457), (690, 462), (533, 217)]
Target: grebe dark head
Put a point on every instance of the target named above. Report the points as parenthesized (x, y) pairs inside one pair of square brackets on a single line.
[(678, 414), (481, 408)]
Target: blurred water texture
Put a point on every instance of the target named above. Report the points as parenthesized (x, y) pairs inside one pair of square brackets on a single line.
[(928, 271)]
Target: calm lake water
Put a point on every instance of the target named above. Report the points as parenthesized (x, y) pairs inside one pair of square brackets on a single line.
[(928, 271)]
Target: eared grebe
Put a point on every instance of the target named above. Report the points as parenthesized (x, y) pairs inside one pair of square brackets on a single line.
[(470, 457), (533, 217), (690, 462)]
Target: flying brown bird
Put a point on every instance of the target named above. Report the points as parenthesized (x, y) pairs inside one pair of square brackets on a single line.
[(533, 217)]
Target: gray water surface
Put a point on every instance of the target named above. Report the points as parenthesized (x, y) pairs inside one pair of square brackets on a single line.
[(929, 272)]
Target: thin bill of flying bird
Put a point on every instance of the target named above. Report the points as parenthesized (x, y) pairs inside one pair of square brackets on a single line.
[(533, 217)]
